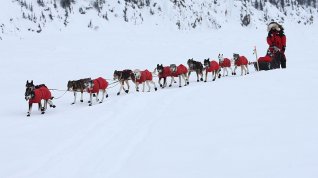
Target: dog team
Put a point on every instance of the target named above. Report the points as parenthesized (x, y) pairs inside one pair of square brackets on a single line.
[(41, 95)]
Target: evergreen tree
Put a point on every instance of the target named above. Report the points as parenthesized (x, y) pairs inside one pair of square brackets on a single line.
[(256, 4)]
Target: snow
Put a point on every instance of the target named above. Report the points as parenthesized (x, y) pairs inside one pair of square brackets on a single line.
[(260, 125)]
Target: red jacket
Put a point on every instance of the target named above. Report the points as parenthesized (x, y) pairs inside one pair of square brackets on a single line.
[(145, 76), (276, 38), (99, 84), (181, 69), (213, 66), (225, 63), (41, 93), (241, 61), (265, 59), (165, 73)]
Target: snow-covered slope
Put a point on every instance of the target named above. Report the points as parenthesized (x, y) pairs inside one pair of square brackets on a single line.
[(21, 16), (260, 125)]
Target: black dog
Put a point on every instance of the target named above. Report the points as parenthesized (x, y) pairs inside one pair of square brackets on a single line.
[(78, 86), (123, 77), (195, 66)]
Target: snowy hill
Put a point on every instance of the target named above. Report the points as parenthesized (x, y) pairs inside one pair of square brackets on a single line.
[(20, 16)]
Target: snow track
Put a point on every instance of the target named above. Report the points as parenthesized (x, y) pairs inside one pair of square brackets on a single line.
[(259, 125)]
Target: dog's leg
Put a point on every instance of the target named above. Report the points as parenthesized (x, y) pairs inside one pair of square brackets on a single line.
[(97, 96), (179, 81), (206, 75), (247, 69), (149, 87), (74, 97), (137, 86), (197, 76), (121, 87), (143, 86), (154, 84), (43, 107), (106, 93), (82, 97), (172, 79), (30, 108), (51, 103), (90, 99), (214, 75), (185, 79), (234, 73), (164, 82), (160, 85), (127, 82), (103, 96), (189, 73)]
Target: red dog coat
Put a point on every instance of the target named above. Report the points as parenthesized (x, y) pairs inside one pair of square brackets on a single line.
[(165, 73), (145, 76), (241, 61), (42, 93), (225, 63), (213, 66), (181, 69), (99, 84)]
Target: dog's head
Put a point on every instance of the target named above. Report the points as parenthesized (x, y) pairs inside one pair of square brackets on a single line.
[(116, 74), (173, 68), (137, 74), (89, 83), (29, 94), (190, 62), (236, 56), (29, 84), (70, 85), (159, 68), (220, 57), (206, 62)]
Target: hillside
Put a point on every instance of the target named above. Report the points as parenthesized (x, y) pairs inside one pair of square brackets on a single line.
[(36, 16)]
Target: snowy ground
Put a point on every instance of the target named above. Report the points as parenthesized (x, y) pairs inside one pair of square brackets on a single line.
[(260, 125)]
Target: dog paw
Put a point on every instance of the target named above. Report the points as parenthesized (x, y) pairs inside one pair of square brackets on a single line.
[(82, 101), (118, 93), (72, 103), (107, 96), (201, 79), (180, 86), (160, 85), (42, 112), (198, 80), (90, 104), (100, 102), (188, 83), (204, 80), (53, 106), (127, 91), (174, 82), (213, 80), (170, 85), (156, 89)]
